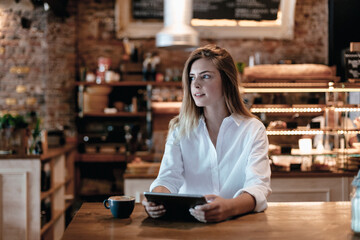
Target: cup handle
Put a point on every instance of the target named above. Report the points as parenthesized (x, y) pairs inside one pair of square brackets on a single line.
[(106, 204)]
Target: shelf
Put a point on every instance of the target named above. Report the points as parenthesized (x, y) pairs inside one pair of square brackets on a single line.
[(53, 152), (103, 195), (101, 157), (51, 191), (298, 87), (314, 152), (131, 83), (165, 107), (68, 204), (54, 218), (118, 114), (69, 180), (251, 87)]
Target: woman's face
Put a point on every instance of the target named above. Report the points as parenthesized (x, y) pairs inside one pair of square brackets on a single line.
[(205, 84)]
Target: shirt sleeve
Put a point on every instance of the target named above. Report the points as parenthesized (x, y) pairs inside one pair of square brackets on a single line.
[(257, 182), (172, 167)]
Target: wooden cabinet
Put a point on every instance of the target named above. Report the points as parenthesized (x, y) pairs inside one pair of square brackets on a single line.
[(286, 187), (303, 187), (136, 185), (21, 196)]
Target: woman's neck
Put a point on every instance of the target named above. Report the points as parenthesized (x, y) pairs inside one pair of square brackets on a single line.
[(213, 119)]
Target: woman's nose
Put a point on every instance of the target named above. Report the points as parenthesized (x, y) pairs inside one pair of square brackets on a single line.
[(196, 82)]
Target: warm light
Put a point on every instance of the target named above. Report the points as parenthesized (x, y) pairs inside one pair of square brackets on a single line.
[(30, 101), (294, 132), (348, 132), (347, 109), (20, 69), (285, 110), (213, 22), (10, 101), (20, 88)]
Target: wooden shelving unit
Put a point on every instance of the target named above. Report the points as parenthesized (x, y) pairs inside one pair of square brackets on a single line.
[(102, 157), (101, 151), (61, 162), (130, 83), (22, 175), (118, 114)]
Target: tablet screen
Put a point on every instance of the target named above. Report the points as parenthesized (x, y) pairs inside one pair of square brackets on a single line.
[(177, 205)]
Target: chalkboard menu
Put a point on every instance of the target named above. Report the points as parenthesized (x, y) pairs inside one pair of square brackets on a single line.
[(236, 9), (352, 63), (145, 9), (213, 9)]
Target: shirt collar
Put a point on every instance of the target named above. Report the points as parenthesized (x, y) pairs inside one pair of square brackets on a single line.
[(237, 118)]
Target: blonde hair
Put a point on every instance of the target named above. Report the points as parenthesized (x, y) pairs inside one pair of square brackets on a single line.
[(190, 114)]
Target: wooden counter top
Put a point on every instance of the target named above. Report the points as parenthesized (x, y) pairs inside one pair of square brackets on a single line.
[(298, 220), (51, 152)]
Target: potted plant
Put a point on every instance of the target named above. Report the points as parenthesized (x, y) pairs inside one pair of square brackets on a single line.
[(13, 134)]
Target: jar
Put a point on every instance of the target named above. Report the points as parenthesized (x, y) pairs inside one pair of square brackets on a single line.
[(355, 205)]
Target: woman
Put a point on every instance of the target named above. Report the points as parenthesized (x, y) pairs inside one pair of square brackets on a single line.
[(215, 146)]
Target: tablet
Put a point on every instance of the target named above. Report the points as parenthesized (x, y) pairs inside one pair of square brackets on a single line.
[(177, 205)]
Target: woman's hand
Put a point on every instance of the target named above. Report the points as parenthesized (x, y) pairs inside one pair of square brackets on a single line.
[(217, 209), (153, 210)]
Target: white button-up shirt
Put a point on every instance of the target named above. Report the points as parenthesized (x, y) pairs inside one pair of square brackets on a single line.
[(239, 163)]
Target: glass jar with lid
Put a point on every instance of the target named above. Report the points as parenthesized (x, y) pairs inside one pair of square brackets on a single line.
[(355, 205)]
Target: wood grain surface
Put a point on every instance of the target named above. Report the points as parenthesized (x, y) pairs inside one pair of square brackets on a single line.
[(299, 220)]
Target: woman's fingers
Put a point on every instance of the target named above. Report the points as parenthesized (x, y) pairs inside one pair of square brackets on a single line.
[(205, 213), (157, 213), (153, 210), (198, 215)]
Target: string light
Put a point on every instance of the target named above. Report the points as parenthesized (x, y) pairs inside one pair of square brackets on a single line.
[(285, 110), (348, 132), (293, 132), (347, 109)]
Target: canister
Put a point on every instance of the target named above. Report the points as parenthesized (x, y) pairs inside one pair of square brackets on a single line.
[(355, 205)]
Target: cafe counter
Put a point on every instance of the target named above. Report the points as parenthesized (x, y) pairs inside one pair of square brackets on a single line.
[(295, 220), (286, 186)]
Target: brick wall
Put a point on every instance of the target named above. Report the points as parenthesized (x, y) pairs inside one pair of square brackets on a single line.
[(54, 47), (47, 47)]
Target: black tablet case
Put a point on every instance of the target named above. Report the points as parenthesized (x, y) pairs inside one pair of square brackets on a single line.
[(177, 205)]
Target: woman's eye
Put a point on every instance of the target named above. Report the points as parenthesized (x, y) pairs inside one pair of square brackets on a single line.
[(191, 78), (206, 76)]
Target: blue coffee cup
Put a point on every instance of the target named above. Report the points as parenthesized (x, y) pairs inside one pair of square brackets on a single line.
[(120, 206)]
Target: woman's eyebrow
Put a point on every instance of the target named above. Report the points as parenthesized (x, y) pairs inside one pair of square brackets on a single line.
[(206, 71)]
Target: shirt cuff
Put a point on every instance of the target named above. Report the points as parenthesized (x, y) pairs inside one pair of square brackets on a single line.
[(258, 194), (157, 183)]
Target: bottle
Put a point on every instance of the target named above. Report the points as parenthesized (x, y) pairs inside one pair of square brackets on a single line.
[(45, 177), (355, 205)]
